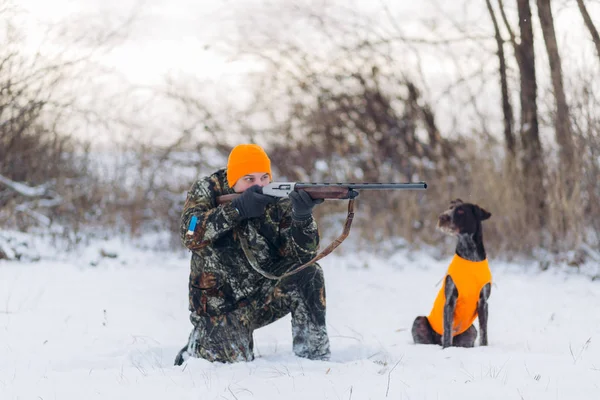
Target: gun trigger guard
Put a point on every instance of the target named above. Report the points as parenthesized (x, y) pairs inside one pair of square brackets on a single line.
[(352, 194)]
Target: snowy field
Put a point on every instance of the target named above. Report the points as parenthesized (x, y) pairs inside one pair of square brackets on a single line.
[(91, 327)]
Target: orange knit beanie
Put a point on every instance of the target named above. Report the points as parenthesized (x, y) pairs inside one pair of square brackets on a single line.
[(247, 159)]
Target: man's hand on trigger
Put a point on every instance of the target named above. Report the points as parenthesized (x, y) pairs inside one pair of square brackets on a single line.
[(252, 202), (302, 204)]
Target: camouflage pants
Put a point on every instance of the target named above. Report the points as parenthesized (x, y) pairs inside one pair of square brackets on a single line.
[(228, 338)]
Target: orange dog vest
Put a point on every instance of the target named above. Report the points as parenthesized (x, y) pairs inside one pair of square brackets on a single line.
[(469, 277)]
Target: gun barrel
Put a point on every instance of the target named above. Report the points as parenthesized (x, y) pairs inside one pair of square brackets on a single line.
[(365, 186)]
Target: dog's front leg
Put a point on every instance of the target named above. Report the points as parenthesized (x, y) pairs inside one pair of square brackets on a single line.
[(482, 311), (451, 294)]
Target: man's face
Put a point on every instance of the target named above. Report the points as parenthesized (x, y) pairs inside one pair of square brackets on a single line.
[(256, 178)]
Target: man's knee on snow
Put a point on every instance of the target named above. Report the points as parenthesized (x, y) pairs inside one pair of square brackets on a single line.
[(225, 338)]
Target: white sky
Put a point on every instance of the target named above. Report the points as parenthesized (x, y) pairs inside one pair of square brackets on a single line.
[(171, 34), (161, 37)]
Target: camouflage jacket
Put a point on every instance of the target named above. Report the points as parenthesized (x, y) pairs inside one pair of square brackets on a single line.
[(221, 277)]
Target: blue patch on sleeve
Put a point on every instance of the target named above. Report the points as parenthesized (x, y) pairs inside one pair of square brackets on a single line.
[(192, 226)]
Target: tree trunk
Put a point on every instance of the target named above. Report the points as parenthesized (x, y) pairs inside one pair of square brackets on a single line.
[(564, 136), (590, 25), (507, 110), (533, 162)]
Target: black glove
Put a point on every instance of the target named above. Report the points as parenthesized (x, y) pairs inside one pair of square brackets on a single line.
[(252, 202), (302, 205)]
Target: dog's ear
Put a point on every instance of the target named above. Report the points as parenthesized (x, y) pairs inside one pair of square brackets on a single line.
[(480, 213)]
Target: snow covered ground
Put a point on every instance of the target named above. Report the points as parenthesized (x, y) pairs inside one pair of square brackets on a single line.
[(84, 326)]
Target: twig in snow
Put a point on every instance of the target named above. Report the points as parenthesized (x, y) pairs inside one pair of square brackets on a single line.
[(191, 376), (230, 391), (358, 333), (346, 337), (470, 375), (139, 367), (122, 375), (583, 348), (389, 376)]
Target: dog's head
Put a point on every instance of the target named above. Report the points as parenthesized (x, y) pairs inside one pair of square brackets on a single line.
[(462, 218)]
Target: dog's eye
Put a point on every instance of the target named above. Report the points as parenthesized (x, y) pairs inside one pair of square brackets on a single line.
[(461, 212)]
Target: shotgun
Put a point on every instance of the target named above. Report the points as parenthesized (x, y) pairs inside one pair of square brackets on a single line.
[(341, 191)]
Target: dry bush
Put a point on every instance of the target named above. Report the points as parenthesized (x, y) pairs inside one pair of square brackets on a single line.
[(586, 123), (35, 152), (45, 178)]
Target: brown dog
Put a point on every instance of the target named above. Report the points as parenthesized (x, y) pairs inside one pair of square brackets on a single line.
[(467, 285)]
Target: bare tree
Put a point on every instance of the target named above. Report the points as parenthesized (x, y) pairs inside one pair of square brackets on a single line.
[(507, 110), (532, 157), (564, 135), (590, 25)]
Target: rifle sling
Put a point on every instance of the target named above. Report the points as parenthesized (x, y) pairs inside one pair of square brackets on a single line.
[(322, 254)]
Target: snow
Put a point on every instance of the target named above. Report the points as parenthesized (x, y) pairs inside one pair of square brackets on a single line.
[(86, 326), (23, 189), (17, 246)]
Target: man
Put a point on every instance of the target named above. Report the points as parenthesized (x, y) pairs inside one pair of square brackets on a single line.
[(236, 247)]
